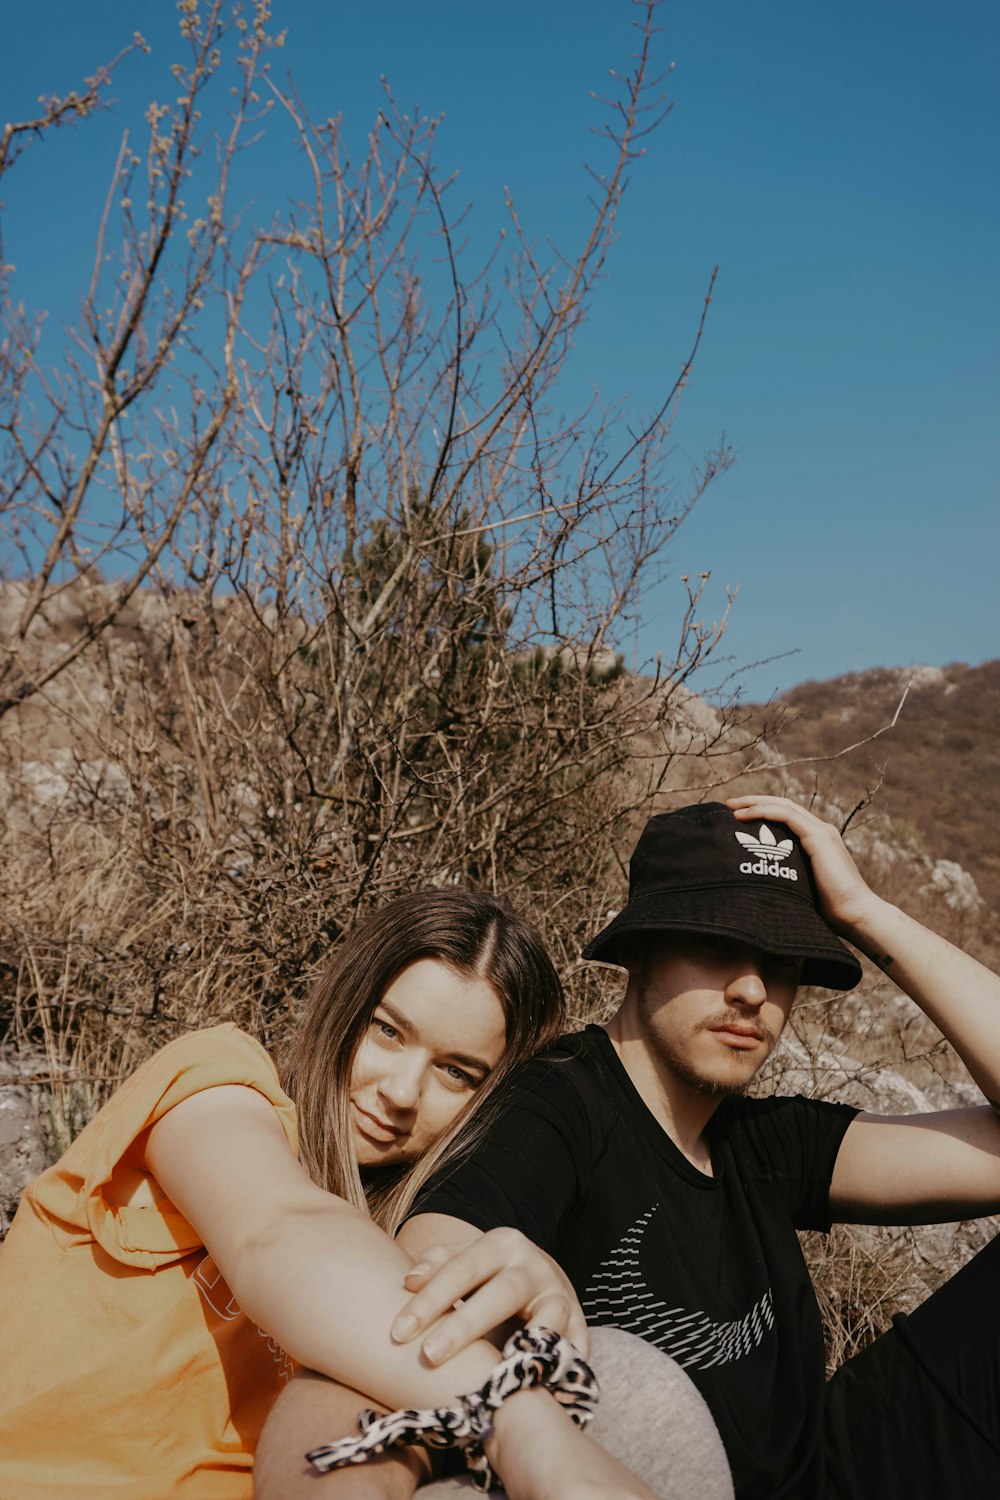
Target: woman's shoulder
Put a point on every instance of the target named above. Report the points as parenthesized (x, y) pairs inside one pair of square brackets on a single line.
[(225, 1046), (83, 1188), (206, 1058)]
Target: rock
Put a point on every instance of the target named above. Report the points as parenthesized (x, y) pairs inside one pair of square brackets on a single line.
[(23, 1142), (955, 885)]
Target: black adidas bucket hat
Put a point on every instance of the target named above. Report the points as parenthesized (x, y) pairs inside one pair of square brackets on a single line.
[(699, 869)]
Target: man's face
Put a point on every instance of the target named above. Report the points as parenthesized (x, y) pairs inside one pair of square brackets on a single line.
[(712, 1008)]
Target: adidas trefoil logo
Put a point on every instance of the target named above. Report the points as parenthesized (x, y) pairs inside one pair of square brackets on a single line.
[(767, 846), (769, 851)]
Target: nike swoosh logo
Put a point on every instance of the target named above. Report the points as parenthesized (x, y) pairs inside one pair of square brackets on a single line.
[(618, 1297)]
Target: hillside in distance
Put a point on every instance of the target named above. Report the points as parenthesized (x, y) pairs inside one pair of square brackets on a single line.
[(933, 774)]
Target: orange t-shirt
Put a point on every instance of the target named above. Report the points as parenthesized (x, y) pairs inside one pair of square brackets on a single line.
[(126, 1368)]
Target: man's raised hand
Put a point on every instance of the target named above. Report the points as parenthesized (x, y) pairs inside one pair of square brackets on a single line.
[(845, 899)]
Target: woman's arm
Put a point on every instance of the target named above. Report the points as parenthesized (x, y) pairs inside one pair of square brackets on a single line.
[(311, 1405), (326, 1283), (536, 1450), (304, 1265)]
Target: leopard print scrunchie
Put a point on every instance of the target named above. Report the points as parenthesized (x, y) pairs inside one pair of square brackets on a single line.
[(533, 1356)]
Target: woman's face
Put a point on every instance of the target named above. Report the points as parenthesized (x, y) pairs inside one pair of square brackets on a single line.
[(432, 1040)]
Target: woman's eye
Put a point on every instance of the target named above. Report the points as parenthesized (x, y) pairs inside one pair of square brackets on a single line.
[(458, 1077), (384, 1029)]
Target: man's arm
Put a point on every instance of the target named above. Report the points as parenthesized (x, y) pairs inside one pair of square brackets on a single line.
[(918, 1168), (926, 1168)]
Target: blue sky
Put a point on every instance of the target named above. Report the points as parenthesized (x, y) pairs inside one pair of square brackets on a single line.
[(839, 163)]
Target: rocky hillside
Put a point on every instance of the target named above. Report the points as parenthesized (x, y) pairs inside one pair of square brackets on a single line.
[(933, 775)]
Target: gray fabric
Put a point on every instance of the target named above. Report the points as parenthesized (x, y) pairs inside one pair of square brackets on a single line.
[(651, 1418)]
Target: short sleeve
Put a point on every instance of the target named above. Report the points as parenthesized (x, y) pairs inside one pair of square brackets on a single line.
[(75, 1193), (528, 1171), (793, 1143)]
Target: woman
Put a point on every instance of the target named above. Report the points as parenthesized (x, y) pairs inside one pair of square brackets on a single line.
[(160, 1282)]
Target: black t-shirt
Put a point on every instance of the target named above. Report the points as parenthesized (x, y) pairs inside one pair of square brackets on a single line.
[(707, 1268)]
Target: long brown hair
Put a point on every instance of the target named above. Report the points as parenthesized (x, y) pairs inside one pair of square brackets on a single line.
[(478, 936)]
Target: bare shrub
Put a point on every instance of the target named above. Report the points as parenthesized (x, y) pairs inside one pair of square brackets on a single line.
[(314, 596)]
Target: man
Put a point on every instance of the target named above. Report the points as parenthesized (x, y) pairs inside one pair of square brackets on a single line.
[(671, 1200)]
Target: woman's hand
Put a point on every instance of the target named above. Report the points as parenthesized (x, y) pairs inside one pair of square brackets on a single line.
[(845, 900), (498, 1276)]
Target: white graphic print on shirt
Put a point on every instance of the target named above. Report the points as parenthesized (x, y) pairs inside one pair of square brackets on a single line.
[(617, 1296)]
